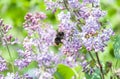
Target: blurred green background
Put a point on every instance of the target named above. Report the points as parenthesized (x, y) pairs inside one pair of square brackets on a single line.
[(13, 12)]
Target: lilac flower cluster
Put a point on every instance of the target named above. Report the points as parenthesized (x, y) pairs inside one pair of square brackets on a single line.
[(71, 41), (24, 60), (34, 26), (93, 35), (92, 30), (81, 28), (36, 47)]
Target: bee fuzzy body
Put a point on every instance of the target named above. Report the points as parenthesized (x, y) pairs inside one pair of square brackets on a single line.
[(59, 37)]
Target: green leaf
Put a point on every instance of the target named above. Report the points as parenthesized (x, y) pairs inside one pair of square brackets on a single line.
[(57, 75), (92, 63), (79, 74), (63, 72), (117, 47), (118, 2)]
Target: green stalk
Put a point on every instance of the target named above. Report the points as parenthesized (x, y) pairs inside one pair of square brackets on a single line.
[(101, 69)]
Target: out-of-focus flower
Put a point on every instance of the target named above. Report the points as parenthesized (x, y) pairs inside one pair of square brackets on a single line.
[(117, 72), (1, 76), (22, 63), (16, 76), (74, 3), (3, 64), (6, 38)]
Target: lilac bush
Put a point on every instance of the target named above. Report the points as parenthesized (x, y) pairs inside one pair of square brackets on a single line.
[(79, 21)]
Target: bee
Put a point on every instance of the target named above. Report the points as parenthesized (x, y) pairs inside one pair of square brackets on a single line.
[(59, 37)]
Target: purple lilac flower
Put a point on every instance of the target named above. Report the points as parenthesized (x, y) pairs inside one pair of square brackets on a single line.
[(21, 63), (92, 33), (83, 12), (5, 37), (26, 57), (97, 41), (40, 74), (3, 64), (91, 26), (66, 25), (4, 27), (106, 33), (33, 21), (27, 76), (91, 36), (45, 39), (91, 1), (86, 67), (71, 46), (74, 3), (47, 63), (98, 45), (15, 76), (28, 43), (24, 62), (95, 2), (1, 76), (50, 4), (53, 5), (41, 43), (46, 59), (98, 13)]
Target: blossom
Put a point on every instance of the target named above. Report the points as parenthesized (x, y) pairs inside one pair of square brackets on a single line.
[(5, 37), (95, 2), (25, 58), (16, 76), (91, 26), (3, 64), (84, 15), (1, 76), (40, 74), (54, 5), (74, 3), (22, 63)]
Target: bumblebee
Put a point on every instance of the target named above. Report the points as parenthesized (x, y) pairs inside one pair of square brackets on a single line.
[(59, 37)]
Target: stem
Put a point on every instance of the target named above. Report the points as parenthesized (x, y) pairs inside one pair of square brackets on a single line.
[(65, 3), (91, 56), (116, 63), (10, 56), (67, 7), (1, 31), (101, 69), (73, 14)]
